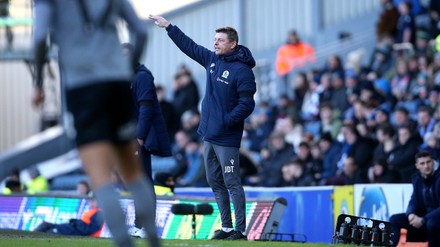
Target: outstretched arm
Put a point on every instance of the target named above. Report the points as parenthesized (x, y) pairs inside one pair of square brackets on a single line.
[(197, 52), (160, 21)]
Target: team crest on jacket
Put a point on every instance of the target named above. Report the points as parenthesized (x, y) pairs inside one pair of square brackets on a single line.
[(225, 74)]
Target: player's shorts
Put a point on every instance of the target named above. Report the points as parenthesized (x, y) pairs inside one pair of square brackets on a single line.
[(101, 112)]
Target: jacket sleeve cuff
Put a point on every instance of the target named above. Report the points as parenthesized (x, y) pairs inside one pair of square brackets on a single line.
[(169, 27)]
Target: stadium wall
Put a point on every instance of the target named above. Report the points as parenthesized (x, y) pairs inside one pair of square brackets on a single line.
[(311, 211)]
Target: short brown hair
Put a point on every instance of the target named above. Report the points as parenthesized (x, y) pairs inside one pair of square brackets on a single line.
[(230, 31)]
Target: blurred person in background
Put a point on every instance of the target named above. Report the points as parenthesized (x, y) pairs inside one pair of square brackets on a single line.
[(228, 101), (330, 151), (151, 131), (294, 54), (90, 224), (4, 13), (38, 183), (389, 16), (185, 92), (294, 175), (400, 158), (83, 188), (168, 112), (164, 184), (274, 156), (13, 180), (379, 172), (100, 114)]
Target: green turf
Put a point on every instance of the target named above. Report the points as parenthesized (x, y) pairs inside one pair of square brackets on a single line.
[(12, 238)]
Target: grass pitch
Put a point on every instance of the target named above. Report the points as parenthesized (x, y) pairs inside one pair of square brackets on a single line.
[(13, 238)]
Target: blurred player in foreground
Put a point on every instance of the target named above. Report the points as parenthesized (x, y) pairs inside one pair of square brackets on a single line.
[(96, 79)]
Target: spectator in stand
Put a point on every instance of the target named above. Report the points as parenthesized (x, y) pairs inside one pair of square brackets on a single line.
[(310, 106), (325, 87), (168, 112), (400, 157), (389, 16), (331, 151), (386, 142), (292, 131), (195, 172), (330, 121), (435, 70), (190, 121), (294, 54), (287, 108), (352, 90), (431, 145), (261, 126), (90, 224), (350, 174), (425, 121), (434, 13), (185, 92), (406, 24), (382, 116), (300, 87), (422, 46), (418, 90), (274, 157), (181, 141), (400, 81), (164, 184), (38, 183), (83, 188), (4, 13), (12, 187), (401, 117), (433, 102), (357, 147), (421, 218), (15, 176), (382, 60), (338, 96), (294, 175), (304, 155), (334, 66), (379, 172)]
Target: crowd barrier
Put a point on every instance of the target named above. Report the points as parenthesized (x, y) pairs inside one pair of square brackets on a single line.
[(310, 211)]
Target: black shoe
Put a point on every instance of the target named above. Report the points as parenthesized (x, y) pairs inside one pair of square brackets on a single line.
[(220, 234), (237, 236)]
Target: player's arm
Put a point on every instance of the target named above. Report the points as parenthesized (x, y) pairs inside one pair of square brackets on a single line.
[(197, 52), (136, 26), (43, 15)]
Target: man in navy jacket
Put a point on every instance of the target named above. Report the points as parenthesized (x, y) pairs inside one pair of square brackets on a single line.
[(422, 217), (151, 132), (228, 101)]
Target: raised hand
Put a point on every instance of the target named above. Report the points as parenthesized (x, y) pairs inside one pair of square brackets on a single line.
[(159, 21)]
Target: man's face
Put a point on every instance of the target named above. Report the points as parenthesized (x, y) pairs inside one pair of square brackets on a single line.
[(222, 44), (425, 165)]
